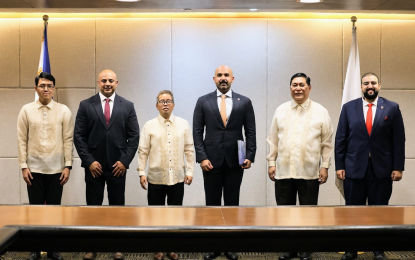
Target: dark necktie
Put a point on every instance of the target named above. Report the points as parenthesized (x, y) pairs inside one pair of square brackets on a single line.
[(369, 119), (107, 112)]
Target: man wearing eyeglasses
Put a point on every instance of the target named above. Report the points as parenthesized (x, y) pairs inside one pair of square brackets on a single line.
[(44, 132), (370, 149), (106, 138), (164, 142)]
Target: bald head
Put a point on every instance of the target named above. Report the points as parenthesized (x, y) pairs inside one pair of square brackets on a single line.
[(107, 82), (223, 78), (107, 72)]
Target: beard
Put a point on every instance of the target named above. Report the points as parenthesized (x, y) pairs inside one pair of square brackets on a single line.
[(370, 96), (223, 87)]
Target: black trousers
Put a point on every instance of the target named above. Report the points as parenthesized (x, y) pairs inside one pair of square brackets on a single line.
[(95, 188), (224, 179), (46, 188), (286, 191), (157, 193), (375, 191)]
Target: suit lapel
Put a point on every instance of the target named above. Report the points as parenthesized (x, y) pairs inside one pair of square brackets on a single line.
[(98, 108), (115, 109), (379, 111), (213, 100), (359, 113), (235, 106)]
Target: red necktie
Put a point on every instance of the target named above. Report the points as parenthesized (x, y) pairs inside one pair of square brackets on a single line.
[(107, 112), (369, 119)]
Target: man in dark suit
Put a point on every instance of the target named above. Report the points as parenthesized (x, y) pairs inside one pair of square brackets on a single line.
[(106, 137), (370, 148), (223, 113)]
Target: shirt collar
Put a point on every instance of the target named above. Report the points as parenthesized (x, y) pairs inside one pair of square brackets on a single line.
[(365, 103), (162, 119), (102, 97), (50, 105), (228, 94), (303, 105)]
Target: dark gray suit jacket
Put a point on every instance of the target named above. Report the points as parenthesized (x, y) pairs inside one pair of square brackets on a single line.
[(220, 142), (94, 141)]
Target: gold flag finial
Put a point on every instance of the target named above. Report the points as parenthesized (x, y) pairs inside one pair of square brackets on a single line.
[(45, 18), (354, 20)]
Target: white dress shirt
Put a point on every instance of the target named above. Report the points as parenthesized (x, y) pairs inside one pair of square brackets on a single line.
[(366, 108), (165, 143), (300, 136), (228, 101), (103, 102), (45, 135)]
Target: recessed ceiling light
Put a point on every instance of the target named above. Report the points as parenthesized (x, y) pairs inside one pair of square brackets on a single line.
[(128, 0), (310, 1), (253, 9)]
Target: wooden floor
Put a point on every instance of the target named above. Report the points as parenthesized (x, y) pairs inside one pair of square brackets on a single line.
[(202, 216)]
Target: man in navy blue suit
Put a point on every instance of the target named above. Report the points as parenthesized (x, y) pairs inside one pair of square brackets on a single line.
[(222, 115), (369, 149)]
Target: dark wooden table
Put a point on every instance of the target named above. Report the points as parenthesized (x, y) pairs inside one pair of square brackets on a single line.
[(192, 229)]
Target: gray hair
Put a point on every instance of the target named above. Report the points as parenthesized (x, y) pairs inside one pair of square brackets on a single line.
[(164, 92)]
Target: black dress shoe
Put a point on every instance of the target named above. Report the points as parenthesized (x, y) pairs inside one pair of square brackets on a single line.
[(33, 256), (349, 256), (55, 256), (231, 255), (379, 256), (211, 255), (287, 255), (305, 255)]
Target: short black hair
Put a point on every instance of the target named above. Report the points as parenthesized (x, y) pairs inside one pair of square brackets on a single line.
[(45, 75), (300, 75), (369, 74)]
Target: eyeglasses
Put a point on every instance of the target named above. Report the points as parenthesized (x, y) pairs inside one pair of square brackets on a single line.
[(46, 86), (165, 102)]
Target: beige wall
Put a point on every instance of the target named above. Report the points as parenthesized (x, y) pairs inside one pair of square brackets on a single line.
[(181, 55)]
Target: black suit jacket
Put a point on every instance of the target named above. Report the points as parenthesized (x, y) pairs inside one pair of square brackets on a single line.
[(386, 142), (220, 142), (94, 141)]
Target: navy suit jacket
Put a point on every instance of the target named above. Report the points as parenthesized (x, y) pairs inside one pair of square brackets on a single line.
[(386, 143), (220, 142), (94, 141)]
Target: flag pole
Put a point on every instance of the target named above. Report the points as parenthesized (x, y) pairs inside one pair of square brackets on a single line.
[(351, 88), (354, 20), (46, 19)]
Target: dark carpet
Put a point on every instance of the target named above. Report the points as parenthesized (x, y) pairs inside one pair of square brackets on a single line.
[(191, 256)]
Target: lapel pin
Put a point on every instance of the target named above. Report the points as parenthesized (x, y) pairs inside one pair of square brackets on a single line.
[(386, 118), (381, 107), (239, 99)]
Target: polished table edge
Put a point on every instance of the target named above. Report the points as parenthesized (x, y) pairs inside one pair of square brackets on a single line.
[(211, 238), (140, 229)]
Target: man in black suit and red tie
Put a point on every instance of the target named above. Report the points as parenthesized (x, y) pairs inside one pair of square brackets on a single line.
[(370, 149), (222, 115), (106, 137)]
